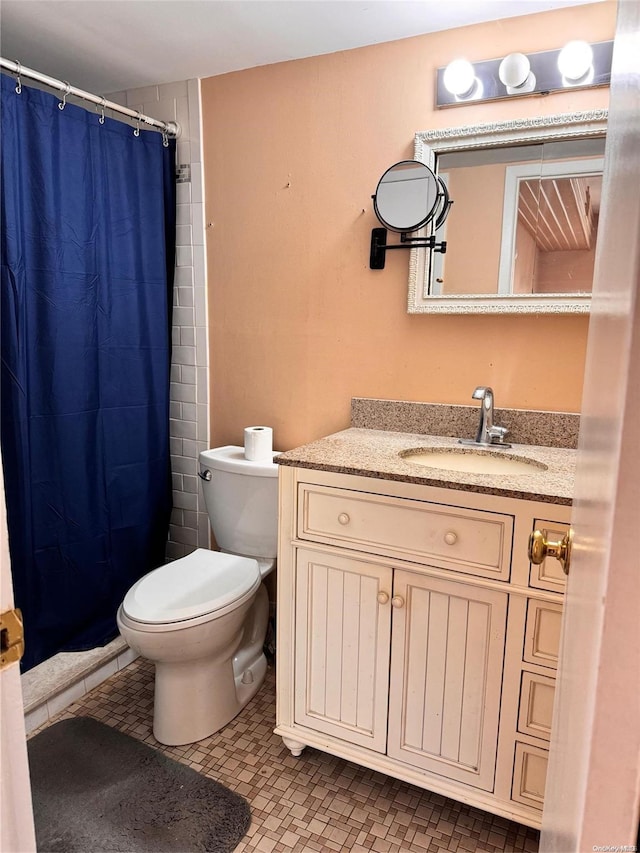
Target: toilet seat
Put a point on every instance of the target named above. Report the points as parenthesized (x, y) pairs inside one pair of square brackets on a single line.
[(202, 586)]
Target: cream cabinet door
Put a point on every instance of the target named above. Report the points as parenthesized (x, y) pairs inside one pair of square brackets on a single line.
[(343, 623), (446, 677)]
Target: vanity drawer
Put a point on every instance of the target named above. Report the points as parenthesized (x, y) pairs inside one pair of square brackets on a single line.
[(542, 633), (549, 574), (536, 705), (465, 540), (529, 774)]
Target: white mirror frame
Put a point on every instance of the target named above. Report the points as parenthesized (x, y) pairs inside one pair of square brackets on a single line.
[(430, 143)]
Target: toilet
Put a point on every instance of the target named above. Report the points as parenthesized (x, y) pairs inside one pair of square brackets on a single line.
[(203, 619)]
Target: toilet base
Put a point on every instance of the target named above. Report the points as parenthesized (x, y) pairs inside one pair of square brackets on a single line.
[(192, 701), (196, 698), (249, 682), (213, 695), (249, 662)]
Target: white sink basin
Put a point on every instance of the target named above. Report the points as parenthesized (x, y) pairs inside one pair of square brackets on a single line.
[(472, 461)]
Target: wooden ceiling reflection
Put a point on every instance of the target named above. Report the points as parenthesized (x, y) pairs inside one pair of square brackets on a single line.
[(561, 213)]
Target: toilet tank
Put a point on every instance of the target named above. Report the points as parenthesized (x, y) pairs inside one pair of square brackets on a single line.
[(242, 501)]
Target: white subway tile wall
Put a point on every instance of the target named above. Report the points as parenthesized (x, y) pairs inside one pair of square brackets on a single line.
[(189, 390)]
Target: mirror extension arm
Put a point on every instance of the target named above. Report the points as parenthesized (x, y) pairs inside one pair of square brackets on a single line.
[(379, 246)]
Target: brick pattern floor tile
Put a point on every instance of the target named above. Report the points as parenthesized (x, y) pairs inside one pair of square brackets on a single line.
[(313, 804)]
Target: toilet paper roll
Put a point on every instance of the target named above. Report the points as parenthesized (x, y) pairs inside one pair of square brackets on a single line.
[(258, 443)]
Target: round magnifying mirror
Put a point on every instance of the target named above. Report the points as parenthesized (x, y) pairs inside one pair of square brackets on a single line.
[(406, 196)]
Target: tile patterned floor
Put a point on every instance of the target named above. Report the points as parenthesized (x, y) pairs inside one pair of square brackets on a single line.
[(315, 803)]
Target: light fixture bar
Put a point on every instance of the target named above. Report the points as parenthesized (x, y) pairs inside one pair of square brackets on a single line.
[(544, 70)]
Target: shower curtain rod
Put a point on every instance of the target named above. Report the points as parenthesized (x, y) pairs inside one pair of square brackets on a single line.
[(172, 128)]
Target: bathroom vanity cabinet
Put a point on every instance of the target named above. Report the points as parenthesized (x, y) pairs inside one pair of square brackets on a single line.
[(414, 636)]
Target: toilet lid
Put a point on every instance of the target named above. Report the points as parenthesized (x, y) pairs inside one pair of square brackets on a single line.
[(201, 583)]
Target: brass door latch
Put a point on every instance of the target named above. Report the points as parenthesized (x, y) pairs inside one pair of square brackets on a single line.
[(540, 548), (11, 637)]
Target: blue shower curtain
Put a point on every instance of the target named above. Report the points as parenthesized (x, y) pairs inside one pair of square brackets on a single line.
[(88, 235)]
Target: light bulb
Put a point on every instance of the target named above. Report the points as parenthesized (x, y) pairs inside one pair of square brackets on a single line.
[(459, 77), (575, 60), (529, 85), (514, 70)]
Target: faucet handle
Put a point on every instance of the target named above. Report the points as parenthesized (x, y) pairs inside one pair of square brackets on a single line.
[(497, 434)]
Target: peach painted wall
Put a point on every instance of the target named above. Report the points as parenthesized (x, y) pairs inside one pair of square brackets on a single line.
[(472, 259), (565, 272), (298, 322)]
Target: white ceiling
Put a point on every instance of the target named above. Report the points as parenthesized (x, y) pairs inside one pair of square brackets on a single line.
[(110, 45)]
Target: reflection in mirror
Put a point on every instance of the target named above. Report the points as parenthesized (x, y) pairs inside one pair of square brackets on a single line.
[(524, 222), (565, 232), (555, 241)]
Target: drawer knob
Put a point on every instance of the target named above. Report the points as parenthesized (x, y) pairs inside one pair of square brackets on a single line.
[(397, 601), (343, 518), (450, 537), (383, 597)]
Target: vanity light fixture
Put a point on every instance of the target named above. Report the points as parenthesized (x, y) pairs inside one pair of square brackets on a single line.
[(409, 196), (577, 65)]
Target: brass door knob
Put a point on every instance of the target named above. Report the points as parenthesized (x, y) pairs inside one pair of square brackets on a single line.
[(540, 548)]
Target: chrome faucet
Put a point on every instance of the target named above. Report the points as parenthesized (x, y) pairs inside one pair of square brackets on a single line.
[(488, 433)]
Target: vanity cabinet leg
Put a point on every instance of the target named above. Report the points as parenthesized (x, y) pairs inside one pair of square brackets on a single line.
[(294, 746)]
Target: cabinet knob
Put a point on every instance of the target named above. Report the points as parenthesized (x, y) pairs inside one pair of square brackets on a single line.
[(397, 601), (383, 597), (343, 518), (450, 537)]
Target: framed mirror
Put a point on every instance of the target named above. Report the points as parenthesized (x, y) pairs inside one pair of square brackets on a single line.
[(522, 232)]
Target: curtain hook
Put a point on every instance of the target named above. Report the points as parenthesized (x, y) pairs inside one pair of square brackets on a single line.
[(63, 102), (136, 132), (102, 106), (165, 139), (18, 80)]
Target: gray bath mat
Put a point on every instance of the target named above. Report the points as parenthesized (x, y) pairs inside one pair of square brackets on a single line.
[(97, 790)]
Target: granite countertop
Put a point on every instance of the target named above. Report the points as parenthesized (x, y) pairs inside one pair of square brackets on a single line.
[(375, 453)]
